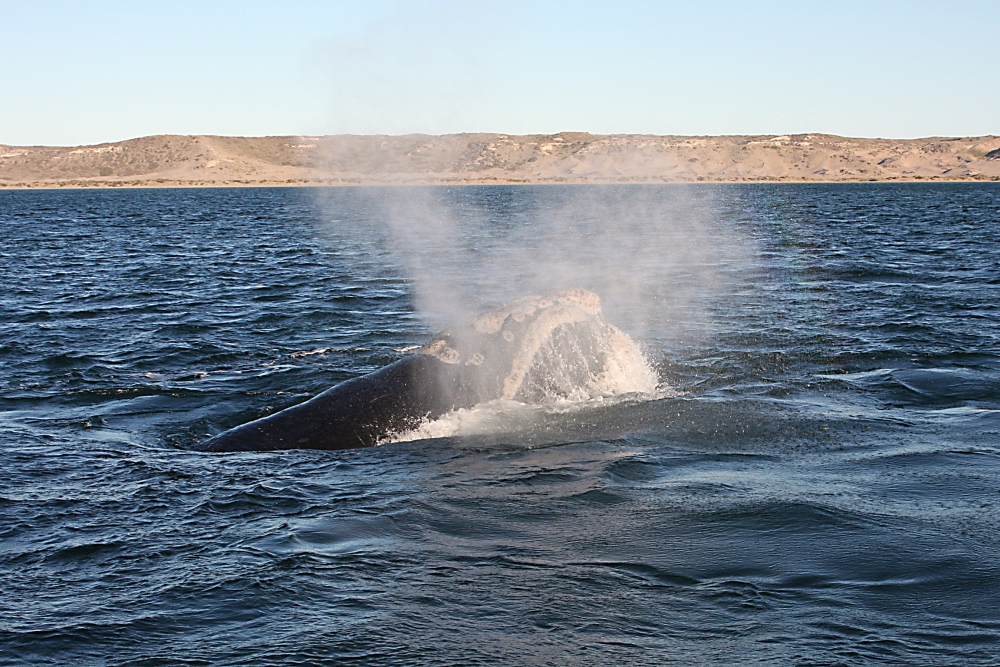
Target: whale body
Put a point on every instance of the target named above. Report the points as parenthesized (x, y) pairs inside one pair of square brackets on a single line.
[(527, 350)]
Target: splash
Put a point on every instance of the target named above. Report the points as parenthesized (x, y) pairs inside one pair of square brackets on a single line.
[(657, 255), (549, 353)]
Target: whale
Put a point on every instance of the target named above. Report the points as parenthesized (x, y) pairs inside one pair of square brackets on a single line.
[(529, 350)]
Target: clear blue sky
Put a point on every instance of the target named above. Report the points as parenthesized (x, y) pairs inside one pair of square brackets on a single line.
[(87, 72)]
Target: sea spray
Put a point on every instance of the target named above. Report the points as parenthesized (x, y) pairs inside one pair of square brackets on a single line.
[(657, 255)]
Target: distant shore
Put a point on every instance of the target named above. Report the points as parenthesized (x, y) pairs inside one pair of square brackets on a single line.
[(172, 161), (139, 185)]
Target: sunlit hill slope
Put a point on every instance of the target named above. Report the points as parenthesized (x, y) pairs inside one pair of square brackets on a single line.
[(568, 157)]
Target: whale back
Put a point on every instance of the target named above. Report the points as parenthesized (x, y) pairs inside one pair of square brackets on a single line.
[(529, 350)]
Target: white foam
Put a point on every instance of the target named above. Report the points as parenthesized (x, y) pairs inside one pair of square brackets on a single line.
[(627, 377), (490, 417), (503, 416)]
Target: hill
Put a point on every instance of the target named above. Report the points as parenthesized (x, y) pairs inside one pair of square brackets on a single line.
[(568, 157)]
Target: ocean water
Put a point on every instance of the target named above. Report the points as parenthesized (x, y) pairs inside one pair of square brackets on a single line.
[(817, 483)]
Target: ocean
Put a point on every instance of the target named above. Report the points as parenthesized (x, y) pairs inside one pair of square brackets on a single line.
[(815, 482)]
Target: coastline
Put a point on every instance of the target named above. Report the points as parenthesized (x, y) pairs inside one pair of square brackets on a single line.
[(155, 185), (190, 161)]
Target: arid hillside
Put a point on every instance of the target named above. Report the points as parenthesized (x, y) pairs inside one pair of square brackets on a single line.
[(568, 157)]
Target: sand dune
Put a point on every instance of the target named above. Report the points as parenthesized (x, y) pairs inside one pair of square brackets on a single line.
[(568, 157)]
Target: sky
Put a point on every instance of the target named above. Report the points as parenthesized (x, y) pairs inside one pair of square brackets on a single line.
[(88, 72)]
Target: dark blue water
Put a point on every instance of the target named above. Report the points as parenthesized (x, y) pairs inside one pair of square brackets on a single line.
[(823, 489)]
